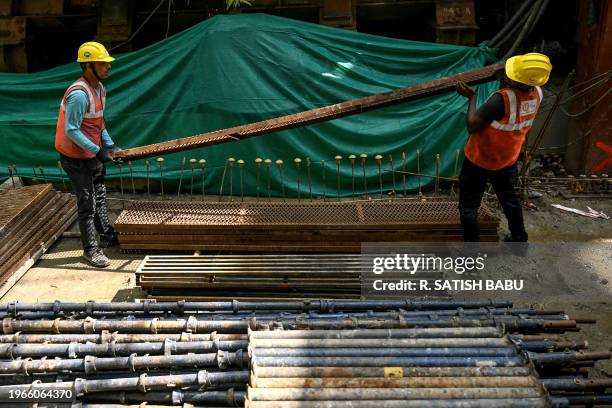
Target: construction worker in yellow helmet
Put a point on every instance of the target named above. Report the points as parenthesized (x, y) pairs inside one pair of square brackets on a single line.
[(497, 132), (84, 145)]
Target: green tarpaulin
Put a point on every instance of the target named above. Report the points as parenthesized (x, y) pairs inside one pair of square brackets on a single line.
[(238, 69)]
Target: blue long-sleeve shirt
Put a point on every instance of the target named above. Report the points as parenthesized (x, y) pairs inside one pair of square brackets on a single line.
[(76, 107)]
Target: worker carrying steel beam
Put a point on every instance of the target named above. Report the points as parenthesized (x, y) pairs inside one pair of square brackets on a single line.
[(84, 145), (497, 133)]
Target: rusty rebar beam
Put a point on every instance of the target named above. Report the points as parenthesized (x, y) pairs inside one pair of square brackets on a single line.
[(335, 111)]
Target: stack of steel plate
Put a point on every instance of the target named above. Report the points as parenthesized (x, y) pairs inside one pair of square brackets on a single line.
[(327, 226), (32, 218)]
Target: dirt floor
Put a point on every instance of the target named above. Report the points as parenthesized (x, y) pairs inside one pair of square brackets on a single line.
[(578, 282)]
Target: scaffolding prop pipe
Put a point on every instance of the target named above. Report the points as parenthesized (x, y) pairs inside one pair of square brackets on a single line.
[(388, 361), (380, 372), (382, 394), (321, 305), (417, 403), (92, 364), (106, 337), (73, 350)]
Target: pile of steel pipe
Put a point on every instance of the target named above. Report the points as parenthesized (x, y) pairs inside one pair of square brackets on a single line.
[(474, 354), (32, 218), (395, 368), (273, 227)]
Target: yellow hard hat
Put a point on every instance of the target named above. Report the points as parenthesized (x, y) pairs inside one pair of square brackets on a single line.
[(530, 69), (93, 51)]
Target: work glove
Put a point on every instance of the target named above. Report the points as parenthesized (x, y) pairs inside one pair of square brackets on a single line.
[(115, 148), (105, 154)]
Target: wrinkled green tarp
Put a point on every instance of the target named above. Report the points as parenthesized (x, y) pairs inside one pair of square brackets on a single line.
[(238, 69)]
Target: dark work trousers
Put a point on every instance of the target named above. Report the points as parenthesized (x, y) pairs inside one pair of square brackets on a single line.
[(87, 177), (472, 185)]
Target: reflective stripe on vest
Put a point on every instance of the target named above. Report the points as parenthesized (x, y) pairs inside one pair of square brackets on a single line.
[(499, 144), (91, 125)]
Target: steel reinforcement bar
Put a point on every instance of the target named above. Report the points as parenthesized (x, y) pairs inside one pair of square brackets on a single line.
[(326, 113)]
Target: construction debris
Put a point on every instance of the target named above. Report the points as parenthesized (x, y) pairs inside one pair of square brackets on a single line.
[(32, 218), (591, 213)]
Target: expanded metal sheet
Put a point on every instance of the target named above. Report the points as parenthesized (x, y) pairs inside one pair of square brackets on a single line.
[(340, 214), (15, 203)]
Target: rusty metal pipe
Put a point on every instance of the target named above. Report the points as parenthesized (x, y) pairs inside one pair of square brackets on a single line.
[(402, 382), (202, 379), (91, 364), (106, 337), (325, 394), (322, 305), (73, 350), (477, 332), (372, 351), (417, 403), (388, 361), (357, 344), (349, 372), (229, 397)]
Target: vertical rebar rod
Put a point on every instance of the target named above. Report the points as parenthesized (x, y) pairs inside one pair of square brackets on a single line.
[(378, 158), (324, 180), (352, 158), (437, 185), (147, 165), (132, 177), (121, 178), (241, 169), (61, 173), (268, 163), (418, 159), (456, 163), (178, 194), (404, 172), (298, 166), (279, 164), (34, 175), (393, 175), (160, 162), (10, 170), (258, 162), (338, 159), (231, 161), (192, 163), (363, 158), (203, 171), (309, 177), (42, 172), (222, 179)]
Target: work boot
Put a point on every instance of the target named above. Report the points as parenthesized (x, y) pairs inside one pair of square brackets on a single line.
[(107, 241), (96, 258)]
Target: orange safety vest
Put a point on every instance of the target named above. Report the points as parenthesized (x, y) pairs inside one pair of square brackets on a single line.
[(91, 126), (498, 145)]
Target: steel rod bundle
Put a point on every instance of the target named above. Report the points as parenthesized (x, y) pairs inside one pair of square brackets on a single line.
[(32, 218)]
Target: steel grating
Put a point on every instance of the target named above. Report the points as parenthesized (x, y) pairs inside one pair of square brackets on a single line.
[(325, 113), (15, 203), (399, 214), (339, 227)]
